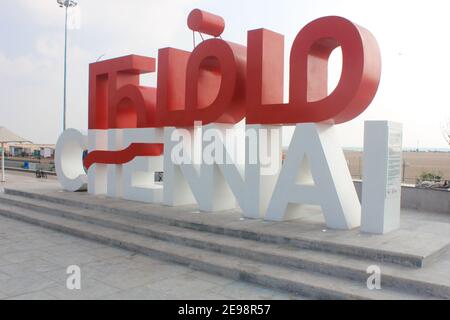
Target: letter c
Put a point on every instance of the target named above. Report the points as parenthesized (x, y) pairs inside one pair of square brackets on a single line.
[(69, 160)]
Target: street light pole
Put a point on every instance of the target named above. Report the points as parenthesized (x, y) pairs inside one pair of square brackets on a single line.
[(3, 163), (65, 71), (66, 4)]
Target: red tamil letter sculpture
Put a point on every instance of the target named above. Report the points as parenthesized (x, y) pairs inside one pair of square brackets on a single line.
[(308, 97)]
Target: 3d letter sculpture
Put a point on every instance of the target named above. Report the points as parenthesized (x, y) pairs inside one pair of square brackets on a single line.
[(201, 96)]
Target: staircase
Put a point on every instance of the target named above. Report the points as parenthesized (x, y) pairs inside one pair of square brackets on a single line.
[(311, 268)]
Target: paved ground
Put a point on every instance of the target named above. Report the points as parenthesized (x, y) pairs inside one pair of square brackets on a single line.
[(34, 261)]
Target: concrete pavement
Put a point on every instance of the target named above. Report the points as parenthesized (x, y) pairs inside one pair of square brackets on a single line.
[(33, 263)]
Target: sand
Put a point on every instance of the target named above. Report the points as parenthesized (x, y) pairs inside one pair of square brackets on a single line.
[(414, 164)]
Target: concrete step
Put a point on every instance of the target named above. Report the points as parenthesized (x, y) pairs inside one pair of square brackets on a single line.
[(335, 265), (302, 282), (228, 224)]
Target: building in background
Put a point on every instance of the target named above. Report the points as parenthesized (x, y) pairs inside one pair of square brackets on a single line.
[(37, 151)]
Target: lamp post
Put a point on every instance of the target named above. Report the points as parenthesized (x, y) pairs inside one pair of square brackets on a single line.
[(3, 163), (65, 4)]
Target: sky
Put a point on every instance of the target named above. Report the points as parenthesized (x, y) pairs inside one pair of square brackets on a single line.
[(413, 37)]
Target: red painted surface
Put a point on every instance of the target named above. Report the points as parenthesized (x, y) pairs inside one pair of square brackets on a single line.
[(308, 97), (133, 107), (205, 22), (171, 93), (223, 82), (206, 85), (125, 155), (106, 78), (215, 82)]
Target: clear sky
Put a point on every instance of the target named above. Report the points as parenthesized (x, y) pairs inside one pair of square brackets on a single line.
[(413, 36)]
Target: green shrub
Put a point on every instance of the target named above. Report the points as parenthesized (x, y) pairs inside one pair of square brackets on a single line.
[(430, 176)]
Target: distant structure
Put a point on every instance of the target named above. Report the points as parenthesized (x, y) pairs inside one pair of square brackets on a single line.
[(29, 150), (446, 131)]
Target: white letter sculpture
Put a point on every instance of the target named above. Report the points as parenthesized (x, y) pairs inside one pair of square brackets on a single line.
[(381, 188), (97, 173), (231, 173), (114, 171), (139, 174), (328, 184), (69, 160)]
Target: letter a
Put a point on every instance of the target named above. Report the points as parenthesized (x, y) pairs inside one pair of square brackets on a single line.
[(328, 184)]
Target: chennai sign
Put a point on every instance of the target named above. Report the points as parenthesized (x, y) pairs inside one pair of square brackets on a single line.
[(213, 124)]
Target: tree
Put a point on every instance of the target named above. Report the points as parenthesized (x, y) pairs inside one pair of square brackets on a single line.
[(445, 128)]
